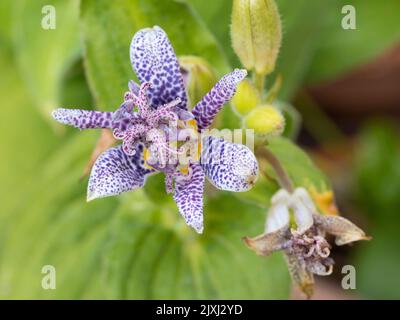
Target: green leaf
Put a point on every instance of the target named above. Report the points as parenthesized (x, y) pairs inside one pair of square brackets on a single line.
[(43, 56), (155, 256), (217, 16), (109, 27), (300, 168), (25, 139), (341, 50), (6, 21)]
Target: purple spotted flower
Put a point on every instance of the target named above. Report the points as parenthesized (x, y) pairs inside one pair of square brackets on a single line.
[(159, 133)]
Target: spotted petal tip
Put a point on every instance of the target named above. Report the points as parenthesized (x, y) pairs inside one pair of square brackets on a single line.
[(208, 107), (238, 75), (83, 119), (228, 166), (188, 196), (154, 60)]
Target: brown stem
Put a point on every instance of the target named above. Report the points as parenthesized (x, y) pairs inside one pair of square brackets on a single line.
[(283, 179)]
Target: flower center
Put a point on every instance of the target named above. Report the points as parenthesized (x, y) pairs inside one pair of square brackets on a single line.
[(312, 249)]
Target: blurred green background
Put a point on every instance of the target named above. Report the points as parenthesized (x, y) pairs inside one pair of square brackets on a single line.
[(344, 84)]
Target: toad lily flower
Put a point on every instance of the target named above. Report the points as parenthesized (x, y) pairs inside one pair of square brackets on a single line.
[(304, 245), (154, 124)]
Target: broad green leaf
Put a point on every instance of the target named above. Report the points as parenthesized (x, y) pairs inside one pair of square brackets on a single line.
[(153, 255), (217, 16), (298, 164), (43, 55), (340, 50), (25, 139), (108, 29), (6, 21)]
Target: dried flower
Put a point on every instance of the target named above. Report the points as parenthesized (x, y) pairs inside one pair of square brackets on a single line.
[(295, 227)]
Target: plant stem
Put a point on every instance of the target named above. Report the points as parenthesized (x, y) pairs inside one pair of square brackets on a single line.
[(283, 178), (259, 82)]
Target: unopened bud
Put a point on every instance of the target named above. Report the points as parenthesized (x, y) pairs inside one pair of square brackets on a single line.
[(198, 76), (266, 121), (256, 34), (246, 98)]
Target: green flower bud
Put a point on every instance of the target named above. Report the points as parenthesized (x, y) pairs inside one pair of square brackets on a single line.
[(256, 34), (199, 77), (266, 121), (246, 98)]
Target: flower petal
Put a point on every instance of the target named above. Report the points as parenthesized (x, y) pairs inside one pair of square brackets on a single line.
[(269, 242), (154, 61), (321, 269), (303, 208), (188, 195), (208, 107), (83, 119), (344, 230), (278, 213), (228, 166), (114, 172)]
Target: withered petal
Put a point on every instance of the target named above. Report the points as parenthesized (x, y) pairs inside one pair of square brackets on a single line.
[(302, 277), (344, 230), (320, 269), (267, 243)]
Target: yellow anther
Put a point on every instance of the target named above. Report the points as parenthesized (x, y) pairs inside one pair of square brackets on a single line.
[(198, 153), (146, 156), (184, 170), (192, 123)]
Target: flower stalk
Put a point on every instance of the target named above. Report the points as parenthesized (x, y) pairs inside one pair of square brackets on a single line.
[(259, 83), (283, 178)]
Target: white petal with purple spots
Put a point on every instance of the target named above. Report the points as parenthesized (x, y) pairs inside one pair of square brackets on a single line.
[(83, 119), (114, 172), (228, 166), (188, 195), (154, 61), (208, 107)]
